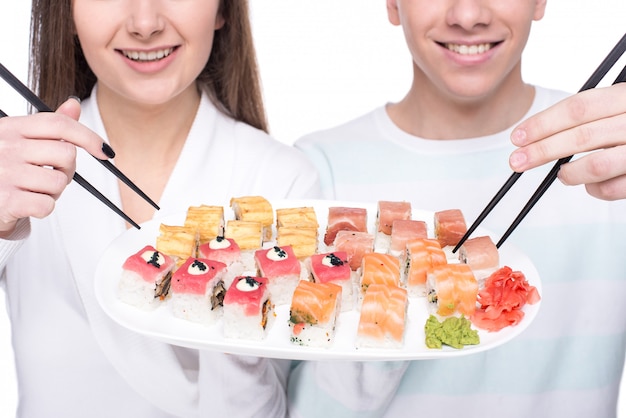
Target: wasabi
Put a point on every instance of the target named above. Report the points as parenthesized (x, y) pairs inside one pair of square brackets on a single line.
[(453, 331)]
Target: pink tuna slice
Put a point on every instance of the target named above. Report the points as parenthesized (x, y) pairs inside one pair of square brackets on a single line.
[(405, 230), (344, 219), (389, 212), (251, 298), (145, 262), (285, 264), (185, 282), (227, 255), (337, 270)]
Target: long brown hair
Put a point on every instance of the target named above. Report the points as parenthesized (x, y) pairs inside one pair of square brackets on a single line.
[(230, 77)]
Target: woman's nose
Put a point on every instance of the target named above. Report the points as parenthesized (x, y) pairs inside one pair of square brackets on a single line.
[(145, 19)]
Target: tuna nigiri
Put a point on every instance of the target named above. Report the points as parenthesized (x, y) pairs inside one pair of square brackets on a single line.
[(145, 279), (248, 309), (450, 226), (197, 290), (281, 267), (355, 244), (344, 219)]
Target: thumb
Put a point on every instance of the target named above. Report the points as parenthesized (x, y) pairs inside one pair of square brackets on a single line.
[(71, 108)]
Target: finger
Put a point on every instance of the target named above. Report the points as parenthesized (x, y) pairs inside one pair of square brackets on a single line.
[(595, 167), (34, 179), (26, 204), (578, 109), (63, 126), (598, 134), (612, 189), (71, 108)]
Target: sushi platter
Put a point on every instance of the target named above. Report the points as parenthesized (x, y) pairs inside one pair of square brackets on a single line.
[(161, 324)]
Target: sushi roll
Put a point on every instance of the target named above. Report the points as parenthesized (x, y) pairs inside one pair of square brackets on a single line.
[(254, 209), (387, 213), (313, 313), (208, 221), (197, 290), (226, 250), (342, 218), (452, 290), (383, 317), (303, 240), (450, 227), (179, 242), (145, 279), (281, 267), (379, 268), (481, 254), (404, 231), (355, 244), (334, 268), (420, 256), (248, 309), (247, 234), (298, 228)]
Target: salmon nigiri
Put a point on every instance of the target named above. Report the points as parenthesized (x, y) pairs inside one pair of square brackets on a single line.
[(313, 313), (383, 317), (421, 255), (381, 269), (453, 289)]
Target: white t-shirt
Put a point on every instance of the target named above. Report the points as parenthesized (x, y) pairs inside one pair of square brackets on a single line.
[(568, 363), (72, 360)]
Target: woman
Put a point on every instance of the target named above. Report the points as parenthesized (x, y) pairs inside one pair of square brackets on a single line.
[(173, 87)]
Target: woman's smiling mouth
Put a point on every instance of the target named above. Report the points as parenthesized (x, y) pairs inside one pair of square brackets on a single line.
[(147, 56)]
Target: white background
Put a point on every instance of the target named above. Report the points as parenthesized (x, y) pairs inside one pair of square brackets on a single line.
[(326, 61)]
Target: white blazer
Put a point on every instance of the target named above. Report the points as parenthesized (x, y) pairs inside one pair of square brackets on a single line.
[(72, 360)]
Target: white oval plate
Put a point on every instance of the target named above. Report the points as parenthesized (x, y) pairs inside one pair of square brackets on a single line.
[(162, 325)]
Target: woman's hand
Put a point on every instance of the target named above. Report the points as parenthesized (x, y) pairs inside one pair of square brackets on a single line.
[(38, 159), (591, 122)]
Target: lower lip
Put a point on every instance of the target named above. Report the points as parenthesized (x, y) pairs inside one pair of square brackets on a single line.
[(150, 67)]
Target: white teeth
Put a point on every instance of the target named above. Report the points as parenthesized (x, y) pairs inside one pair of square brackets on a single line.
[(147, 56), (469, 49)]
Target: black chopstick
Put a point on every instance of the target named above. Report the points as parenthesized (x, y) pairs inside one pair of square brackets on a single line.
[(87, 186), (600, 72), (545, 184), (34, 100)]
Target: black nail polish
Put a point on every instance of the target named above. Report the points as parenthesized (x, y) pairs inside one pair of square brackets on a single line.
[(106, 148)]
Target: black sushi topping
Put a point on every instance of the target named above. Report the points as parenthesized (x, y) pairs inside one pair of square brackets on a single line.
[(280, 252), (200, 265), (251, 281), (154, 260), (219, 238), (334, 260)]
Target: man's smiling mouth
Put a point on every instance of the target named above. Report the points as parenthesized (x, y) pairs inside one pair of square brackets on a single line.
[(469, 49)]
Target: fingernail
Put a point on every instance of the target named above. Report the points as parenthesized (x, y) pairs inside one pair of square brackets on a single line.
[(517, 160), (108, 151), (75, 98), (518, 137)]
